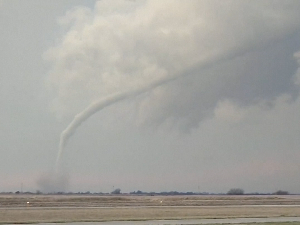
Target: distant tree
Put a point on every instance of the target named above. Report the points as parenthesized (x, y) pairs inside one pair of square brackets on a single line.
[(280, 192), (116, 191), (235, 191)]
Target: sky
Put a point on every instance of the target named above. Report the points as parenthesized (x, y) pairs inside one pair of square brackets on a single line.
[(196, 95)]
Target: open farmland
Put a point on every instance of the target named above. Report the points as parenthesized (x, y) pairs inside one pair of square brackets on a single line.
[(7, 201), (67, 208)]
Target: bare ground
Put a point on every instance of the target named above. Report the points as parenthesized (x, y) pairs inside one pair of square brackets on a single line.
[(49, 208)]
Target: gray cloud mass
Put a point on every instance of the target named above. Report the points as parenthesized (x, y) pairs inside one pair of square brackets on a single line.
[(131, 45), (226, 114)]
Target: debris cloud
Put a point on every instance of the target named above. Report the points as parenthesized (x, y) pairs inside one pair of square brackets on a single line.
[(52, 182)]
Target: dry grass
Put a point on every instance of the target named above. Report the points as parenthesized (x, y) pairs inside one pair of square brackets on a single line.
[(269, 223), (114, 201), (49, 208), (107, 214)]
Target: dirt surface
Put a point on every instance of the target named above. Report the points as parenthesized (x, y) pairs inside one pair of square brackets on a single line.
[(59, 208), (114, 201)]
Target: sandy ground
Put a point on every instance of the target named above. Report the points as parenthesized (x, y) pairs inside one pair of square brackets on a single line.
[(49, 208)]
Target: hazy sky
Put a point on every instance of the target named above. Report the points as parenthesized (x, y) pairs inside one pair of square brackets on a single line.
[(230, 119)]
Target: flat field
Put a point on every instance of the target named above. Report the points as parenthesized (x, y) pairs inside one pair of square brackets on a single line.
[(268, 223), (70, 208)]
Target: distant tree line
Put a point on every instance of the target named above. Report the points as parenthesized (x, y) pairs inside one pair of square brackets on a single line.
[(239, 191), (280, 192), (117, 191)]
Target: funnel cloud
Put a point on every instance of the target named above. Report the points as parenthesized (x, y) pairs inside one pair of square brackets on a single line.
[(195, 95), (150, 50)]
